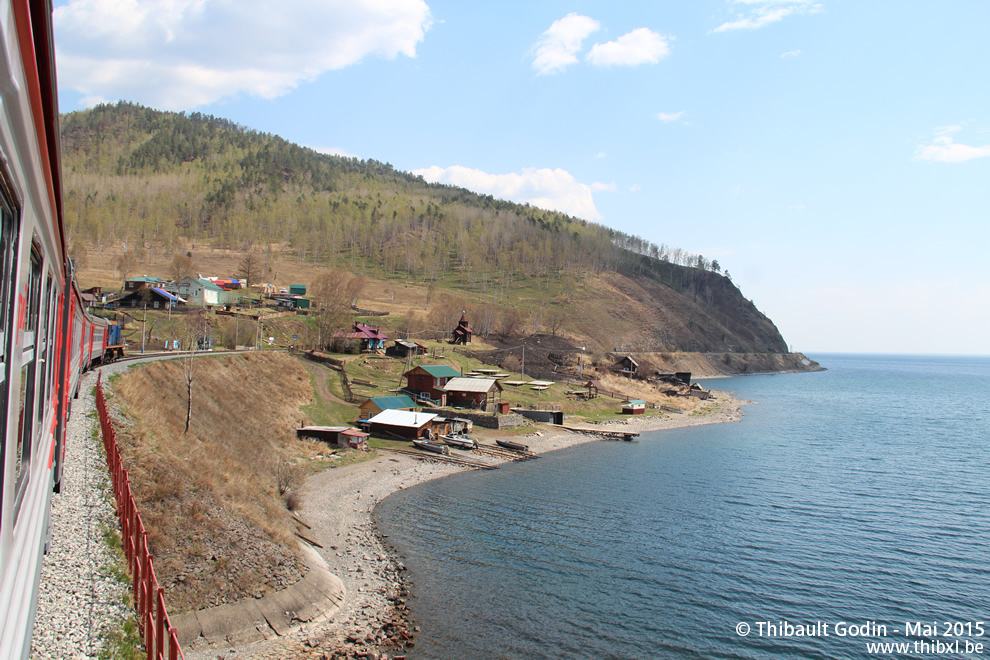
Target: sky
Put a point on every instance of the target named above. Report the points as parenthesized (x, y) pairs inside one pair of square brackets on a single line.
[(832, 155)]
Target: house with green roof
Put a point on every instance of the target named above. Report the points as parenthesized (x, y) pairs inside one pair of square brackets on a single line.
[(138, 283), (202, 292), (428, 380), (375, 405)]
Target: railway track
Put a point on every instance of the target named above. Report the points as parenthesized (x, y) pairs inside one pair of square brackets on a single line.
[(454, 460), (503, 453), (167, 354)]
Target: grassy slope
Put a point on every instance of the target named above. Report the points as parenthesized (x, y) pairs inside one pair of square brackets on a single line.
[(218, 528)]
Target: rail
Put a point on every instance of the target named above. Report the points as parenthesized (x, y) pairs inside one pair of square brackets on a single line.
[(149, 598)]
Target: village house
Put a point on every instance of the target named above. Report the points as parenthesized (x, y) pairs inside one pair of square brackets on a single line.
[(462, 333), (402, 424), (370, 337), (201, 293), (148, 297), (404, 348), (626, 366), (375, 405), (428, 380), (138, 283), (472, 392)]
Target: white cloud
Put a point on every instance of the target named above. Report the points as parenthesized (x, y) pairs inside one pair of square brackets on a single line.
[(667, 117), (760, 13), (635, 187), (790, 53), (603, 187), (945, 130), (945, 150), (553, 189), (182, 54), (600, 154), (641, 46), (558, 47)]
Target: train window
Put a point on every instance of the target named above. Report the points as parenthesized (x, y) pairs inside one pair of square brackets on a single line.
[(29, 363), (8, 240), (43, 345), (8, 271)]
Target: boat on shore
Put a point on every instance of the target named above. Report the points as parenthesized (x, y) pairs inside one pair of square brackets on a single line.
[(514, 446), (434, 447), (460, 441)]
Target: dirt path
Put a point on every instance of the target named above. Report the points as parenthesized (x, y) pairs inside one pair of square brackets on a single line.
[(322, 375)]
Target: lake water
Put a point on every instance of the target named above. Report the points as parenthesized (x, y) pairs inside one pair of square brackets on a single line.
[(860, 495)]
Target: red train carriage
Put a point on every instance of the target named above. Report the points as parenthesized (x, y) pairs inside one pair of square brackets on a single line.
[(46, 338)]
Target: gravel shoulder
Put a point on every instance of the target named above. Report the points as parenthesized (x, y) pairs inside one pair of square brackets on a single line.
[(78, 600)]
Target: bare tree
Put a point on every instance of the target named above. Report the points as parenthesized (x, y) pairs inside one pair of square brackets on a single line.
[(330, 293), (510, 321), (188, 372), (354, 287), (183, 265), (555, 321), (126, 263), (250, 268)]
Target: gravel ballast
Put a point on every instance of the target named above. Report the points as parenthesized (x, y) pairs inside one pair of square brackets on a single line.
[(78, 599)]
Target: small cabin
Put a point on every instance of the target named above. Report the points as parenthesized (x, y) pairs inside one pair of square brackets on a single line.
[(626, 366), (405, 348), (633, 407), (472, 392), (345, 437), (402, 424)]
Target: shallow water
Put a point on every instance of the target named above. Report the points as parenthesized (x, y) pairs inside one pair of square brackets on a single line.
[(854, 495)]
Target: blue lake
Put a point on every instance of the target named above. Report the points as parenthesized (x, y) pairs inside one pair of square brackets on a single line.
[(857, 495)]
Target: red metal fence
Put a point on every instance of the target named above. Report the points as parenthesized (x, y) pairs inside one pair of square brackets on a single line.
[(149, 599)]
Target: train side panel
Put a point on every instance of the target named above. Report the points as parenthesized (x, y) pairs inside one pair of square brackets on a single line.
[(32, 285)]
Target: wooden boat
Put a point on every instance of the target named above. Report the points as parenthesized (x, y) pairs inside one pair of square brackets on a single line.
[(514, 446), (460, 441), (434, 447)]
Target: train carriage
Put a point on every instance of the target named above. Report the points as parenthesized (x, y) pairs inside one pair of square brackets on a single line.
[(46, 338)]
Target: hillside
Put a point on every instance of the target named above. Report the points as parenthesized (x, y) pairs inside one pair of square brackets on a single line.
[(142, 186)]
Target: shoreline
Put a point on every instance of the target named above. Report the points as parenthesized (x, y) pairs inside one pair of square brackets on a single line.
[(339, 504)]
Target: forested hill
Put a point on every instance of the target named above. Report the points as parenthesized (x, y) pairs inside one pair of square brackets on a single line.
[(157, 181)]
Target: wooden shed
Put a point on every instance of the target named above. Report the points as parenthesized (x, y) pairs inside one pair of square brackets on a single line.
[(402, 424), (336, 436), (626, 366), (633, 407), (472, 392)]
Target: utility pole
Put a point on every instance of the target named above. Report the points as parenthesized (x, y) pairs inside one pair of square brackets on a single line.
[(523, 372), (144, 324)]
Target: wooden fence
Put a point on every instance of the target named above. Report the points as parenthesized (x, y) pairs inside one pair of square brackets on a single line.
[(149, 598)]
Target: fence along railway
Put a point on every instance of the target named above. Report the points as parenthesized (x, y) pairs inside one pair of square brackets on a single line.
[(47, 340)]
